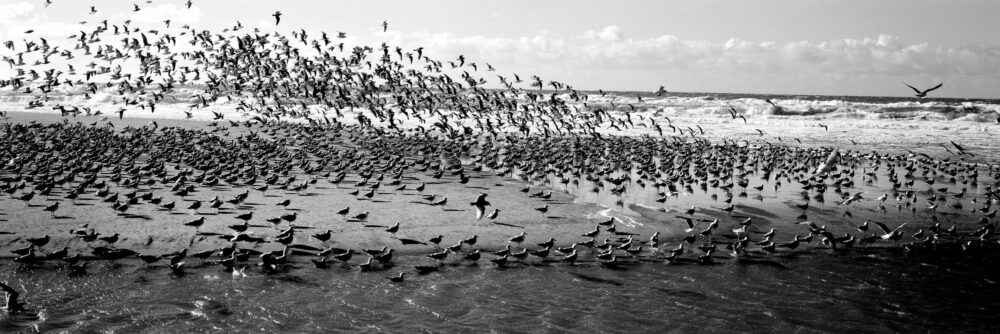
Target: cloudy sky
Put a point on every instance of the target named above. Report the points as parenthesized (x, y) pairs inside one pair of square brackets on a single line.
[(832, 47)]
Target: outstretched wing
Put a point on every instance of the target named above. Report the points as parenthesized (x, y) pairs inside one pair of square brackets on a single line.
[(933, 88), (883, 227), (913, 88), (690, 222), (810, 223), (480, 210), (959, 147)]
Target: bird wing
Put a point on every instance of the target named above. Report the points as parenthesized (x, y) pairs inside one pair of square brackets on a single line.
[(481, 198), (899, 227), (810, 223), (913, 88), (690, 222), (883, 227), (480, 210), (959, 147), (933, 88)]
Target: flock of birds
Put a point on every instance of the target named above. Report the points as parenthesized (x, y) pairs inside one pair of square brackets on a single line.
[(295, 91)]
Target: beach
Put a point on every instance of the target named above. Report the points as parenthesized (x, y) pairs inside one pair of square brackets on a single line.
[(257, 181)]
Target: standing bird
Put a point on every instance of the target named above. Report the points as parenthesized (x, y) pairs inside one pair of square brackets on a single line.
[(480, 205), (52, 208), (393, 229), (39, 242), (924, 92), (277, 17), (196, 223), (517, 239)]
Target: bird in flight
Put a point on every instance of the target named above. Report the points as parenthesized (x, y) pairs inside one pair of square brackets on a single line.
[(924, 92), (277, 17), (661, 91), (385, 26), (480, 205)]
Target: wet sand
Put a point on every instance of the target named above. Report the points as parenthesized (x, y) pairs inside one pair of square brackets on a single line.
[(148, 229)]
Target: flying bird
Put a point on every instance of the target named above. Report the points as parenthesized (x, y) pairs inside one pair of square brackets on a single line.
[(661, 91), (277, 17), (924, 92), (480, 205)]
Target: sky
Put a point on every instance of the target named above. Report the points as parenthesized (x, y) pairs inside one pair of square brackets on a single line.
[(827, 47)]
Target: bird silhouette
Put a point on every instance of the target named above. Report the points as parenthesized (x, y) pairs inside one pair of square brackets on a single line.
[(923, 93)]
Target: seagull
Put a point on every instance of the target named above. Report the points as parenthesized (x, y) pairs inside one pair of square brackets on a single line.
[(396, 279), (961, 150), (517, 239), (480, 205), (393, 229), (923, 93), (893, 234), (851, 199), (277, 17)]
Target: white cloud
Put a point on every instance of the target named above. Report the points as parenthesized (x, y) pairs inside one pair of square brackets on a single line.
[(15, 11), (17, 18), (608, 58), (609, 33), (609, 49)]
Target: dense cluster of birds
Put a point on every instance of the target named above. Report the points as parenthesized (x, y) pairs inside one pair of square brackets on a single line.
[(297, 93)]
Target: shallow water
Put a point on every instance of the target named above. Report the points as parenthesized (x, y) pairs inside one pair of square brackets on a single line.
[(811, 289), (869, 291)]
